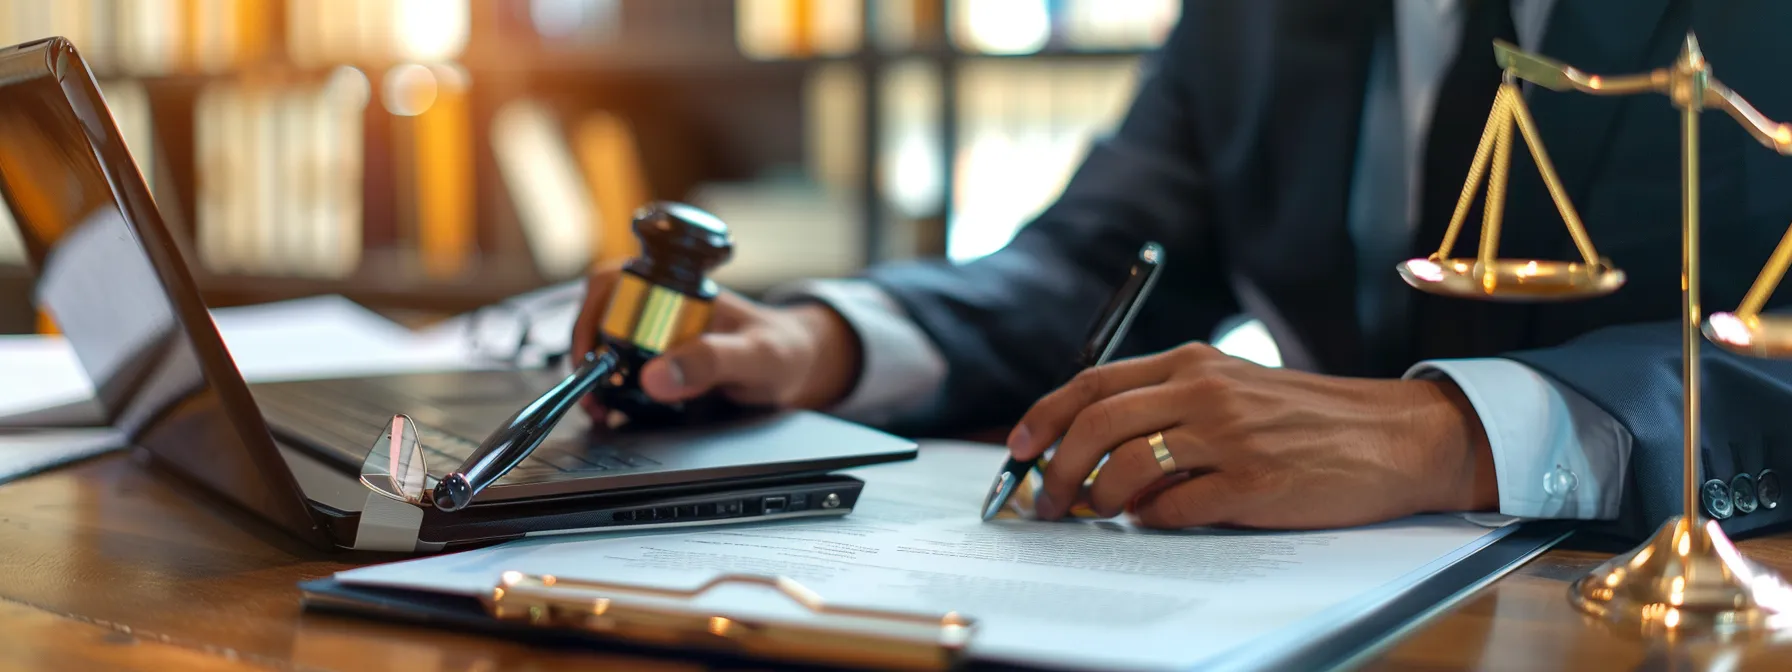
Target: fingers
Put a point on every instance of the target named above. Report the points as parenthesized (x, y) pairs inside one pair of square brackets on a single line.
[(1133, 469), (1052, 415), (591, 315), (709, 362), (1196, 502), (1099, 428)]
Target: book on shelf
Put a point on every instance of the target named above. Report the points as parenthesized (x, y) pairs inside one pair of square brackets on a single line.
[(610, 158), (279, 176), (431, 138), (552, 204)]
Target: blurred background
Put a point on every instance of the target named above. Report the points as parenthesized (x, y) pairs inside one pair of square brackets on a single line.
[(440, 155)]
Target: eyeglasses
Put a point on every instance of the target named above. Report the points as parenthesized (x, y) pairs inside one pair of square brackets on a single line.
[(529, 330), (395, 466)]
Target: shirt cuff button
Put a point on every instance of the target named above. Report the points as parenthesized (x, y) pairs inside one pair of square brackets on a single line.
[(1559, 482)]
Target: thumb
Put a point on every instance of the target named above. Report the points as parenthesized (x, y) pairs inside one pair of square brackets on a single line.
[(707, 362)]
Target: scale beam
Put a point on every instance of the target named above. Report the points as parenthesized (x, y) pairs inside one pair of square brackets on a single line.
[(1688, 578)]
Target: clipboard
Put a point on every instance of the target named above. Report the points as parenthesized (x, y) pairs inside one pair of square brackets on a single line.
[(544, 609), (561, 613), (842, 636)]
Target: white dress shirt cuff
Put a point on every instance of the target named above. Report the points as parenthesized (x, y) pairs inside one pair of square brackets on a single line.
[(1555, 454), (900, 369)]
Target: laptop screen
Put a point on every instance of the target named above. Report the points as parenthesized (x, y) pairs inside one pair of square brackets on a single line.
[(110, 276)]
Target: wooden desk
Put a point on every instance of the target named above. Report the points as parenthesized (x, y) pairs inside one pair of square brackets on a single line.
[(106, 566)]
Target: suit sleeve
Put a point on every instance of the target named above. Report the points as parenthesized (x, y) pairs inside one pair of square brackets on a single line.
[(1633, 373), (1010, 324)]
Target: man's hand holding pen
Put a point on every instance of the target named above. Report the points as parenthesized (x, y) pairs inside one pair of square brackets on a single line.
[(1253, 446)]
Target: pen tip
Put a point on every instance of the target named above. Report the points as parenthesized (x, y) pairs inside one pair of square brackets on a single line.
[(998, 495)]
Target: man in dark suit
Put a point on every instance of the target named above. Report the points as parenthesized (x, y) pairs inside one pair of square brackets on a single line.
[(1287, 154)]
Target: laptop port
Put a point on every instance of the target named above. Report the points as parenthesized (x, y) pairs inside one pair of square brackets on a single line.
[(776, 504)]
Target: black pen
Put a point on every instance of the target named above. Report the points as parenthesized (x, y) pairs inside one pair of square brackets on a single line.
[(1104, 336), (521, 434)]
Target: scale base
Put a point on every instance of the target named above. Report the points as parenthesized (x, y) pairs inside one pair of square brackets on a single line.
[(1688, 580), (1526, 280)]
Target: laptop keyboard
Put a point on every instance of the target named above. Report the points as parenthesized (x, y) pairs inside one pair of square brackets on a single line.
[(329, 420)]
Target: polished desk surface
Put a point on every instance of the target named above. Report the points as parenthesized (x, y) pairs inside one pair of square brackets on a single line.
[(104, 565)]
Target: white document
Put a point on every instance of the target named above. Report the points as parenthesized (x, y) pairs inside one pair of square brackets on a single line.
[(1088, 594), (38, 372), (27, 453), (319, 337), (331, 337)]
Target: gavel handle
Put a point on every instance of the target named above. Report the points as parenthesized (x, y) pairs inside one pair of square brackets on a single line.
[(521, 434)]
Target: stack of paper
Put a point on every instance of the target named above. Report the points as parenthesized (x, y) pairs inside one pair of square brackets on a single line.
[(307, 338), (1100, 595), (28, 453), (320, 337)]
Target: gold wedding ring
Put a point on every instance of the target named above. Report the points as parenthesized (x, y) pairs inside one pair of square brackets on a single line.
[(1161, 452)]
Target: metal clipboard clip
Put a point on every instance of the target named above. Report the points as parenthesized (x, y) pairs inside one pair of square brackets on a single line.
[(841, 636)]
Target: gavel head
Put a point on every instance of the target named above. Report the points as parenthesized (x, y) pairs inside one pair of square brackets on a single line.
[(664, 296)]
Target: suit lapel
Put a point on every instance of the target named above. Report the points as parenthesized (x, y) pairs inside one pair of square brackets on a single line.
[(1597, 36), (1606, 37), (1309, 137)]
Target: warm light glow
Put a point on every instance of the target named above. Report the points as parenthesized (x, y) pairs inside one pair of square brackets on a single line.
[(1595, 81), (351, 86), (912, 174), (1425, 269), (1728, 328), (1672, 620), (719, 626), (1685, 544), (1025, 127), (1612, 579), (1001, 26), (409, 90), (1116, 24), (511, 577), (1642, 557), (431, 30), (1528, 270), (1782, 135)]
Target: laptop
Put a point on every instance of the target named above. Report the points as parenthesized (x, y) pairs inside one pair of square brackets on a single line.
[(115, 281)]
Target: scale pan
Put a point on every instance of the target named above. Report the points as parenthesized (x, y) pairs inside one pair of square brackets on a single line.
[(1518, 280), (1758, 336)]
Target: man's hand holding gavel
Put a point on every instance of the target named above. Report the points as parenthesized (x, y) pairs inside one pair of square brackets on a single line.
[(801, 356)]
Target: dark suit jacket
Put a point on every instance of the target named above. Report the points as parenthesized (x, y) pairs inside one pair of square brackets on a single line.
[(1237, 154)]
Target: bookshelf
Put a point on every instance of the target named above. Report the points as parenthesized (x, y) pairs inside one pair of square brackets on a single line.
[(444, 154)]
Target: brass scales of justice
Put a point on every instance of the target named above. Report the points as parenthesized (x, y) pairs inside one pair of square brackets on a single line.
[(1688, 578)]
